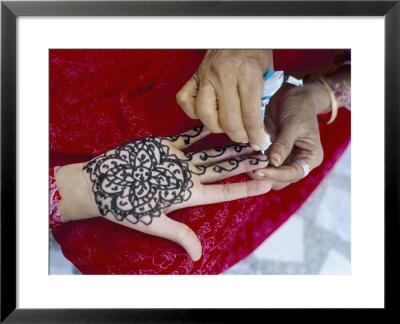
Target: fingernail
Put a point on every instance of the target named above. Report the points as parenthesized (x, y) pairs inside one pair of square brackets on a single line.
[(275, 159), (255, 147), (260, 174)]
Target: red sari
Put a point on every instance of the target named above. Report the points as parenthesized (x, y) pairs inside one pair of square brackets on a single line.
[(100, 99)]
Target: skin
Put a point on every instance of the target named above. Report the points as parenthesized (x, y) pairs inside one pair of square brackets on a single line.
[(138, 183), (292, 121), (225, 93)]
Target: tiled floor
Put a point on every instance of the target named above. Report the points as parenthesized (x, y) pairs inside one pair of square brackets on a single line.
[(316, 240)]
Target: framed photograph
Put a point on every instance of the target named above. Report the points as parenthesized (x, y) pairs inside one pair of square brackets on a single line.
[(46, 48)]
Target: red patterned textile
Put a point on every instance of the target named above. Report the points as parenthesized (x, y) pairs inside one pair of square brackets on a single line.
[(55, 218), (100, 99)]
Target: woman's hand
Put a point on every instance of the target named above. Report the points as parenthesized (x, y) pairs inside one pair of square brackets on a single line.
[(137, 184), (225, 93), (291, 120)]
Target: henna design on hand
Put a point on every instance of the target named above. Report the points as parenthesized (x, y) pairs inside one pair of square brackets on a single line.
[(219, 151), (187, 137), (138, 180), (233, 162)]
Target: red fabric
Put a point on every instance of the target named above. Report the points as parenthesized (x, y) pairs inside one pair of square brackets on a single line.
[(100, 99), (55, 218)]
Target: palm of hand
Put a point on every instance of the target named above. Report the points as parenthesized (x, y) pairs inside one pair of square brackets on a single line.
[(139, 179)]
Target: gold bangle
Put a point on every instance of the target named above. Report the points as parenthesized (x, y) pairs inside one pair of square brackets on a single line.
[(334, 103)]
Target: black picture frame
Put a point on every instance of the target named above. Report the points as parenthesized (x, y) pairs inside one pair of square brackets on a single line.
[(10, 10)]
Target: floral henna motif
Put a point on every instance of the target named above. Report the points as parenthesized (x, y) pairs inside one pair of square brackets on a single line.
[(139, 179)]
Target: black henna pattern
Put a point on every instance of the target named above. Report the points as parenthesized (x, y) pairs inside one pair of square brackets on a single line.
[(233, 162), (219, 151), (139, 179), (186, 137)]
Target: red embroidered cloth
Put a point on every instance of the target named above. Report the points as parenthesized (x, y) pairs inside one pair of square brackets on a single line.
[(100, 99)]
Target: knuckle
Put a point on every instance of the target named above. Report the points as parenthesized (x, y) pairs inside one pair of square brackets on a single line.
[(226, 192), (319, 158), (246, 189), (223, 69), (250, 68), (251, 117), (222, 65), (283, 142), (258, 187), (181, 97), (283, 147)]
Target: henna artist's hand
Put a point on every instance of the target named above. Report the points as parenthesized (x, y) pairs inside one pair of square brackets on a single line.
[(291, 119), (137, 184), (225, 93)]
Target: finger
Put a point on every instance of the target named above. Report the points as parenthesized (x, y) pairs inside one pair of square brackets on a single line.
[(278, 185), (205, 107), (275, 184), (186, 139), (292, 171), (311, 151), (179, 233), (167, 228), (282, 146), (231, 191), (230, 115), (219, 154), (186, 97), (286, 173), (223, 170), (250, 99)]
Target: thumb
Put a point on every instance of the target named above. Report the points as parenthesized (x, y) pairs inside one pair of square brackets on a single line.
[(186, 97), (282, 146), (179, 233)]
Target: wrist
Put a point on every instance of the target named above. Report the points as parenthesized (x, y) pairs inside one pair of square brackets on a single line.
[(319, 96), (312, 97), (77, 200)]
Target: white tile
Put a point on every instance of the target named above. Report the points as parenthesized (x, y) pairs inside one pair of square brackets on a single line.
[(335, 264), (334, 212), (59, 265), (240, 268), (343, 165), (285, 244)]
